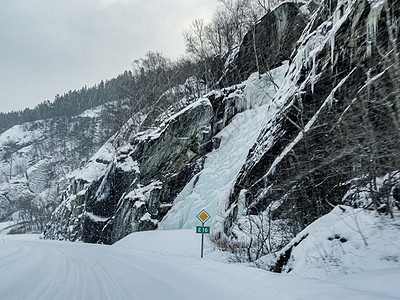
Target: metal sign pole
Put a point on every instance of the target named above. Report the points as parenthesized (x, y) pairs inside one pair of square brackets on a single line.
[(202, 242), (203, 216)]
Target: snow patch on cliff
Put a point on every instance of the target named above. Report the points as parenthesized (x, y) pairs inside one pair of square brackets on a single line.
[(97, 165)]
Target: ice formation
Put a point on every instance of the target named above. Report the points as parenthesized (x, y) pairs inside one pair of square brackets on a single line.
[(210, 189)]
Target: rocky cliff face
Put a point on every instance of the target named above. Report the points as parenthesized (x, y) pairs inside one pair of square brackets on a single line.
[(131, 183), (271, 41), (338, 124), (135, 178), (330, 128)]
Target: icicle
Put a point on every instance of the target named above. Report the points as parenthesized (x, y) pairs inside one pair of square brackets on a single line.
[(335, 19), (313, 73), (372, 23), (300, 58), (332, 49)]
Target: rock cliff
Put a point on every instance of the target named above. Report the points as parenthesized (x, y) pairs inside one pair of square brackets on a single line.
[(131, 183), (338, 123), (329, 128)]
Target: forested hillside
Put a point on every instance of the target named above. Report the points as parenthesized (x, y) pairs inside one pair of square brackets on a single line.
[(69, 104)]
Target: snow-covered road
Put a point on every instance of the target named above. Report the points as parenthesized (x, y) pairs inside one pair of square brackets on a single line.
[(160, 265)]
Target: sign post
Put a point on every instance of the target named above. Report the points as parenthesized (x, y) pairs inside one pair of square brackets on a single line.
[(203, 216)]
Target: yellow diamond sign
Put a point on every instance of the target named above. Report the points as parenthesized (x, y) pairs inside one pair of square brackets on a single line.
[(203, 216)]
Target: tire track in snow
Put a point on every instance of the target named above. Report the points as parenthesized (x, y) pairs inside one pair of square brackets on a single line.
[(145, 278), (62, 270)]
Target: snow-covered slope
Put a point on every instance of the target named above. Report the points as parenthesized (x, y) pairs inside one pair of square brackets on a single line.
[(36, 157), (345, 241)]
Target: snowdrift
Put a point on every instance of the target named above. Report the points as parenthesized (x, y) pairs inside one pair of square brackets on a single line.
[(345, 241)]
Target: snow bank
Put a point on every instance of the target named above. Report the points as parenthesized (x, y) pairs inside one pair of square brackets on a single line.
[(345, 241), (5, 227), (182, 243)]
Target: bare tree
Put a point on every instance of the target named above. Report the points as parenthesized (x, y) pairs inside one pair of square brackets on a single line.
[(199, 45), (196, 39)]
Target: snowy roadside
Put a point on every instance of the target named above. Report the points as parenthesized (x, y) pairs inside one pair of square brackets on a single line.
[(345, 241), (162, 265)]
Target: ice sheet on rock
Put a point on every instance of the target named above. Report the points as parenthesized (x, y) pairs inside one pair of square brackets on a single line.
[(210, 189), (260, 90), (220, 169)]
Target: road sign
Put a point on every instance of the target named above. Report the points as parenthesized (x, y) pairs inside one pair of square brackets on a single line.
[(203, 229), (203, 216)]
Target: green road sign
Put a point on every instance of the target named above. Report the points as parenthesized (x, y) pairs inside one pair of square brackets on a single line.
[(203, 229)]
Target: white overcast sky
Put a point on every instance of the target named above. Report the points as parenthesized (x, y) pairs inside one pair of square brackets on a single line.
[(49, 47)]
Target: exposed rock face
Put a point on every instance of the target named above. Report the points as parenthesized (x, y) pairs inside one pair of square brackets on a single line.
[(268, 44), (339, 118), (135, 184), (335, 119), (131, 183)]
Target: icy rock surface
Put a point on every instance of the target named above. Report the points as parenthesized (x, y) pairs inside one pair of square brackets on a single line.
[(128, 185), (311, 145), (210, 188), (271, 40)]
